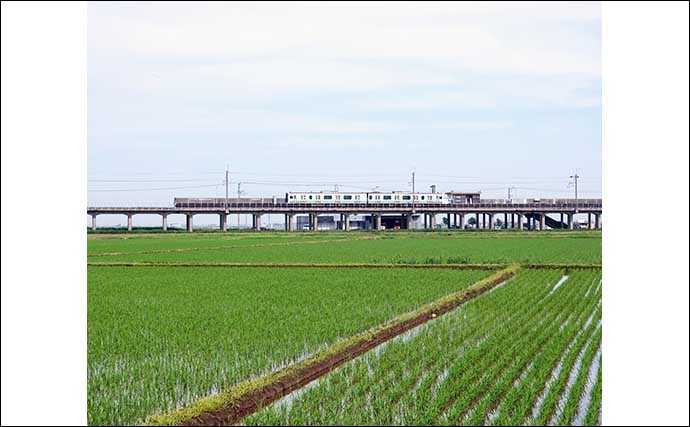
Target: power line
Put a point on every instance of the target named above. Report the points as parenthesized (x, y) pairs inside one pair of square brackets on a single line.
[(147, 180), (151, 189)]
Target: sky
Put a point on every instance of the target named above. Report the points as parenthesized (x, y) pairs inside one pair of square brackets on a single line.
[(307, 96)]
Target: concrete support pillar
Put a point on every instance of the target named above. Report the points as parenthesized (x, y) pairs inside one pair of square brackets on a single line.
[(93, 222), (597, 221), (129, 222), (190, 222), (542, 222), (448, 219), (562, 222), (223, 222), (165, 222), (491, 221), (256, 221), (292, 222), (461, 224), (378, 221), (519, 216), (432, 221), (346, 221), (426, 224), (571, 225), (589, 220)]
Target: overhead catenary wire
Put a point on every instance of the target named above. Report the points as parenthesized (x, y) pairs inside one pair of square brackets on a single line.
[(113, 190)]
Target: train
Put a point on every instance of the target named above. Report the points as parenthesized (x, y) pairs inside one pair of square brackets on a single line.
[(321, 198)]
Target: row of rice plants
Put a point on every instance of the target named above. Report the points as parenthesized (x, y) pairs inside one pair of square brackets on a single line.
[(518, 355), (400, 250), (159, 338)]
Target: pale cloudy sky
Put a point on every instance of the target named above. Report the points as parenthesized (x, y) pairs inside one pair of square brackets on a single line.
[(472, 96)]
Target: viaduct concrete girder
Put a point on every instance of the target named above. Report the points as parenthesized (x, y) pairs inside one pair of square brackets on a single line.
[(458, 212)]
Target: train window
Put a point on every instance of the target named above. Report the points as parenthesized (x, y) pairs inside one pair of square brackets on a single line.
[(337, 197), (357, 197), (309, 197), (422, 197), (397, 197), (327, 197), (371, 197), (406, 197), (386, 197), (348, 197), (318, 197)]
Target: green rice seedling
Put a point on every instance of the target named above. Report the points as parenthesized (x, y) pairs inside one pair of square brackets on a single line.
[(489, 361), (420, 249), (160, 338)]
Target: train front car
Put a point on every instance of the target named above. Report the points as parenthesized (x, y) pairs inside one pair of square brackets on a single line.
[(325, 197)]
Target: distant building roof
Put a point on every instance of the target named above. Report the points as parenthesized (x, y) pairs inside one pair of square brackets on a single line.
[(463, 193)]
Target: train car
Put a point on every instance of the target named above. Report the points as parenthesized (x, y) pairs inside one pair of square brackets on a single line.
[(325, 197), (366, 198), (408, 198)]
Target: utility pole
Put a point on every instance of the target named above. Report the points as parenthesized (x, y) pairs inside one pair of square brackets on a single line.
[(238, 200), (412, 192), (227, 175), (575, 176), (510, 193)]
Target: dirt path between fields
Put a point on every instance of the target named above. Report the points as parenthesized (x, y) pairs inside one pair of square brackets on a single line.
[(262, 392), (295, 265), (349, 265)]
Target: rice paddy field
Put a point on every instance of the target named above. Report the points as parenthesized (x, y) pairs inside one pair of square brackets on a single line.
[(345, 328)]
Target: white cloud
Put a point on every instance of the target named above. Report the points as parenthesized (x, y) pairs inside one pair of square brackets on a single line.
[(259, 49)]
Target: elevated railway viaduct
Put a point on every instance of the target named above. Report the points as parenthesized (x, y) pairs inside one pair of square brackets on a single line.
[(536, 214)]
